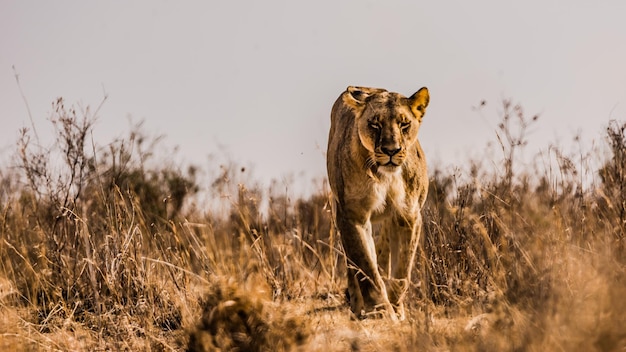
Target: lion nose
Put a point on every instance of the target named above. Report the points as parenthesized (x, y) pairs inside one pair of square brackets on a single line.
[(390, 151)]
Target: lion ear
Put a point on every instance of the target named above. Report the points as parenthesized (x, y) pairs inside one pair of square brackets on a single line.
[(419, 101), (356, 97)]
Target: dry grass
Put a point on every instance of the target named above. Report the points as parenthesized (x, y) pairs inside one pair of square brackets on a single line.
[(104, 249)]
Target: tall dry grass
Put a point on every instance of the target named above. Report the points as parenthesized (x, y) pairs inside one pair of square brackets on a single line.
[(110, 248)]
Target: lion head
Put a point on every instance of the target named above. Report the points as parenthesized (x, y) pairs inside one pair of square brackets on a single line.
[(387, 124)]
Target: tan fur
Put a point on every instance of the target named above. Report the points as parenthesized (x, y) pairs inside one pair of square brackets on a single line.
[(377, 173)]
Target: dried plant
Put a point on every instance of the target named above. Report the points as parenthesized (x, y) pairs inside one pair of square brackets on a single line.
[(111, 248)]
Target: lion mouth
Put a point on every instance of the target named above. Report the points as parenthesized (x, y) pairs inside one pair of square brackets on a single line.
[(385, 164), (389, 163), (389, 166)]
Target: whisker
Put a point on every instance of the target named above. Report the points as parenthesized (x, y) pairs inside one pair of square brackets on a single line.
[(369, 162)]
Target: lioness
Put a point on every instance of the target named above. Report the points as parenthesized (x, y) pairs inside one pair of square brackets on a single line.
[(377, 173)]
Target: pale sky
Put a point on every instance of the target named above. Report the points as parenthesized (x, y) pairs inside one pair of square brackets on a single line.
[(255, 80)]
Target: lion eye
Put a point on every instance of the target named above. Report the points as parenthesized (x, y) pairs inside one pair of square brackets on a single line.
[(405, 125), (374, 125)]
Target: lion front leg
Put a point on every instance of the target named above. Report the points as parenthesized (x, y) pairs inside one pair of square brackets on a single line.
[(403, 239), (366, 288)]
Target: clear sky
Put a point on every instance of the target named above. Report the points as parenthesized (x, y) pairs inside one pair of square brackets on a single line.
[(254, 81)]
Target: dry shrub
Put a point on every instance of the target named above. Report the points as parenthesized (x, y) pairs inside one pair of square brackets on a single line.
[(533, 254), (234, 319), (82, 236)]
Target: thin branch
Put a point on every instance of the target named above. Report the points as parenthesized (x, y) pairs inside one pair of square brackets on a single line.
[(30, 115)]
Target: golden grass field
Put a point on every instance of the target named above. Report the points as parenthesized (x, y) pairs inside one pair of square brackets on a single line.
[(114, 248)]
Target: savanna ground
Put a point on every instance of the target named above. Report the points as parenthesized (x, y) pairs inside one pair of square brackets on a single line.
[(116, 248)]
